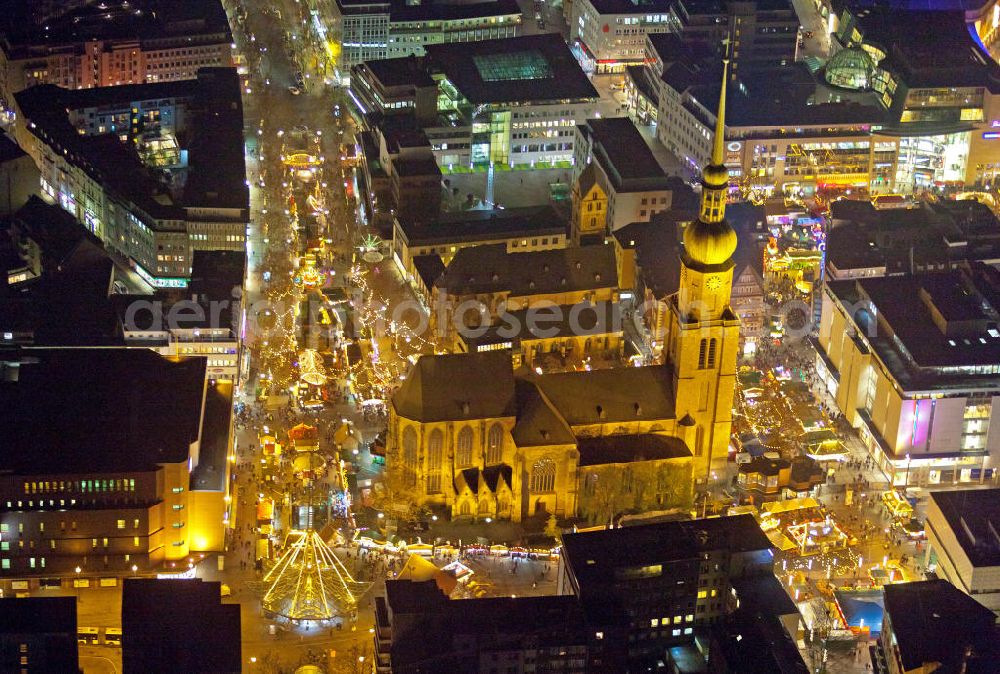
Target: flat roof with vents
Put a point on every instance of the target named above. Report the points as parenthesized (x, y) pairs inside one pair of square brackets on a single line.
[(523, 69), (974, 518)]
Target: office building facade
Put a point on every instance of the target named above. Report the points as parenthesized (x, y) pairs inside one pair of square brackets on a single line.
[(98, 149)]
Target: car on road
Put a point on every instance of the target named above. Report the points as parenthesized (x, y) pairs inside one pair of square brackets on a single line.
[(294, 90)]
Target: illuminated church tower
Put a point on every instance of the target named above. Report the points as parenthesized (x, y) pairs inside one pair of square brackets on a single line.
[(703, 336)]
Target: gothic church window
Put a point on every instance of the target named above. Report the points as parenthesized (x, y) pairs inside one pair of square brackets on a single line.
[(410, 456), (434, 452), (463, 454), (494, 444), (543, 476)]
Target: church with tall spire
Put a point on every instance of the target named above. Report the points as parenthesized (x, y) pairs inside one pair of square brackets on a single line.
[(473, 436), (702, 342)]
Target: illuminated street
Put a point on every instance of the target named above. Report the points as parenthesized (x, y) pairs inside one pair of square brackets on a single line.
[(313, 122), (499, 336)]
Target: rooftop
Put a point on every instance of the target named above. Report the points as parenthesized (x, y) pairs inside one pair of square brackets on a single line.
[(777, 97), (756, 642), (495, 225), (180, 622), (399, 72), (624, 155), (416, 166), (429, 268), (610, 396), (132, 410), (9, 150), (483, 385), (112, 20), (216, 163), (491, 268), (628, 448), (713, 7), (764, 594), (401, 11), (458, 386), (934, 622), (44, 623), (658, 243), (632, 7), (430, 628), (929, 48), (68, 304), (593, 556), (216, 173), (931, 330), (908, 239), (539, 424), (969, 6), (527, 68), (210, 473), (974, 518), (217, 274), (38, 615), (568, 320)]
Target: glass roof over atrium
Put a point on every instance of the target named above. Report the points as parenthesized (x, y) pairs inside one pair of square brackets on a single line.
[(521, 65)]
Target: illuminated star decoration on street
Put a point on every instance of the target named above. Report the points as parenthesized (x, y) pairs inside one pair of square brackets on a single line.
[(309, 582)]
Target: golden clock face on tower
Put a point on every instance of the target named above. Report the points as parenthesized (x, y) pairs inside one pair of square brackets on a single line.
[(713, 282)]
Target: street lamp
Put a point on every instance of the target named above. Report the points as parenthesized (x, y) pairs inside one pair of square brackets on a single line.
[(134, 569), (906, 482)]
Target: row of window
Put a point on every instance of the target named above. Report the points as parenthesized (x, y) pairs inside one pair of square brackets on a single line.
[(463, 447), (55, 486)]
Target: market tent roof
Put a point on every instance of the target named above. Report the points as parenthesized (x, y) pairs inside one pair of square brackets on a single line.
[(862, 608), (778, 507), (809, 417), (265, 510), (303, 432), (780, 540), (819, 437), (419, 569)]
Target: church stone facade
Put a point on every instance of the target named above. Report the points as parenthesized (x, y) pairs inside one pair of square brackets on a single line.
[(469, 434)]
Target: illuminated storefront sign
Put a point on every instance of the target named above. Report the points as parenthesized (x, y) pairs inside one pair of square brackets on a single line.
[(159, 282)]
